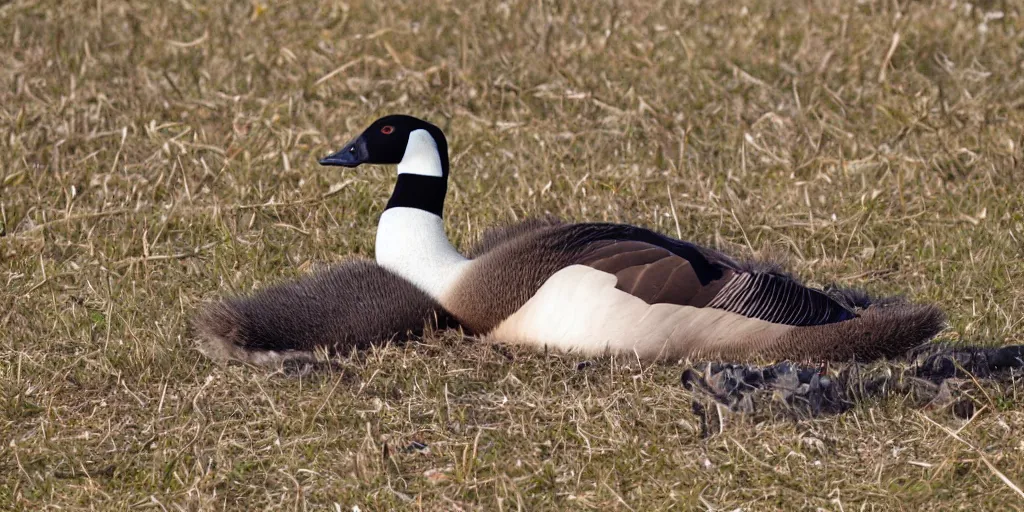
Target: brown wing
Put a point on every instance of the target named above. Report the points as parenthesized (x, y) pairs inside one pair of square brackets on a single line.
[(647, 265), (655, 274), (652, 273)]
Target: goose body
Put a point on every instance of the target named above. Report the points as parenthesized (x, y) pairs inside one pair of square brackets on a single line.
[(606, 288), (596, 288)]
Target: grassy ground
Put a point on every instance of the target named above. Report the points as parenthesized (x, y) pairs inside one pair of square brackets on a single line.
[(154, 155)]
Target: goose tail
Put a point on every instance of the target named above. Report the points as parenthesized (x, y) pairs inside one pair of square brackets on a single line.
[(350, 306), (879, 331), (880, 328), (226, 333)]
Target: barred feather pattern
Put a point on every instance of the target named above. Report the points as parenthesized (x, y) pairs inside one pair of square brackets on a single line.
[(778, 299)]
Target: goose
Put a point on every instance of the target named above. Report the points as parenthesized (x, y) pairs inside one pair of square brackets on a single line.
[(602, 288), (351, 305)]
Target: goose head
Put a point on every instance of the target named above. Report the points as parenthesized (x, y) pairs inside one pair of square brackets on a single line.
[(411, 240), (416, 146)]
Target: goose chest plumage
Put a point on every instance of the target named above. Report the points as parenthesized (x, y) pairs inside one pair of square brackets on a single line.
[(599, 288)]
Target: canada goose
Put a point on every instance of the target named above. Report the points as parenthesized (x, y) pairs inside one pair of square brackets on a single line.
[(597, 288), (348, 306)]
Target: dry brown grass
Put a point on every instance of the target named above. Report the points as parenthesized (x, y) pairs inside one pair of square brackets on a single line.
[(157, 154)]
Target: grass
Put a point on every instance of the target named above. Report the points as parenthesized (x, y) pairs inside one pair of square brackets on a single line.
[(154, 155)]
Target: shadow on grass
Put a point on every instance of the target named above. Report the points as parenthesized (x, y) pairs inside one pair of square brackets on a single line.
[(935, 377)]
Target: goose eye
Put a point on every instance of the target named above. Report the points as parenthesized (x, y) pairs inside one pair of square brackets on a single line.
[(387, 130)]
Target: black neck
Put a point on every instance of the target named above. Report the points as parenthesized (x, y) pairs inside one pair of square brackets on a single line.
[(416, 191)]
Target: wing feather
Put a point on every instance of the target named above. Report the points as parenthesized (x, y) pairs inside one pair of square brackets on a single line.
[(658, 274)]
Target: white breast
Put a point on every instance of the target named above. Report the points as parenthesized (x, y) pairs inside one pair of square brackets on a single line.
[(412, 243)]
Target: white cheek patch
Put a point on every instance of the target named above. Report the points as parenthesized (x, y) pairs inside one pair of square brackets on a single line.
[(421, 156)]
